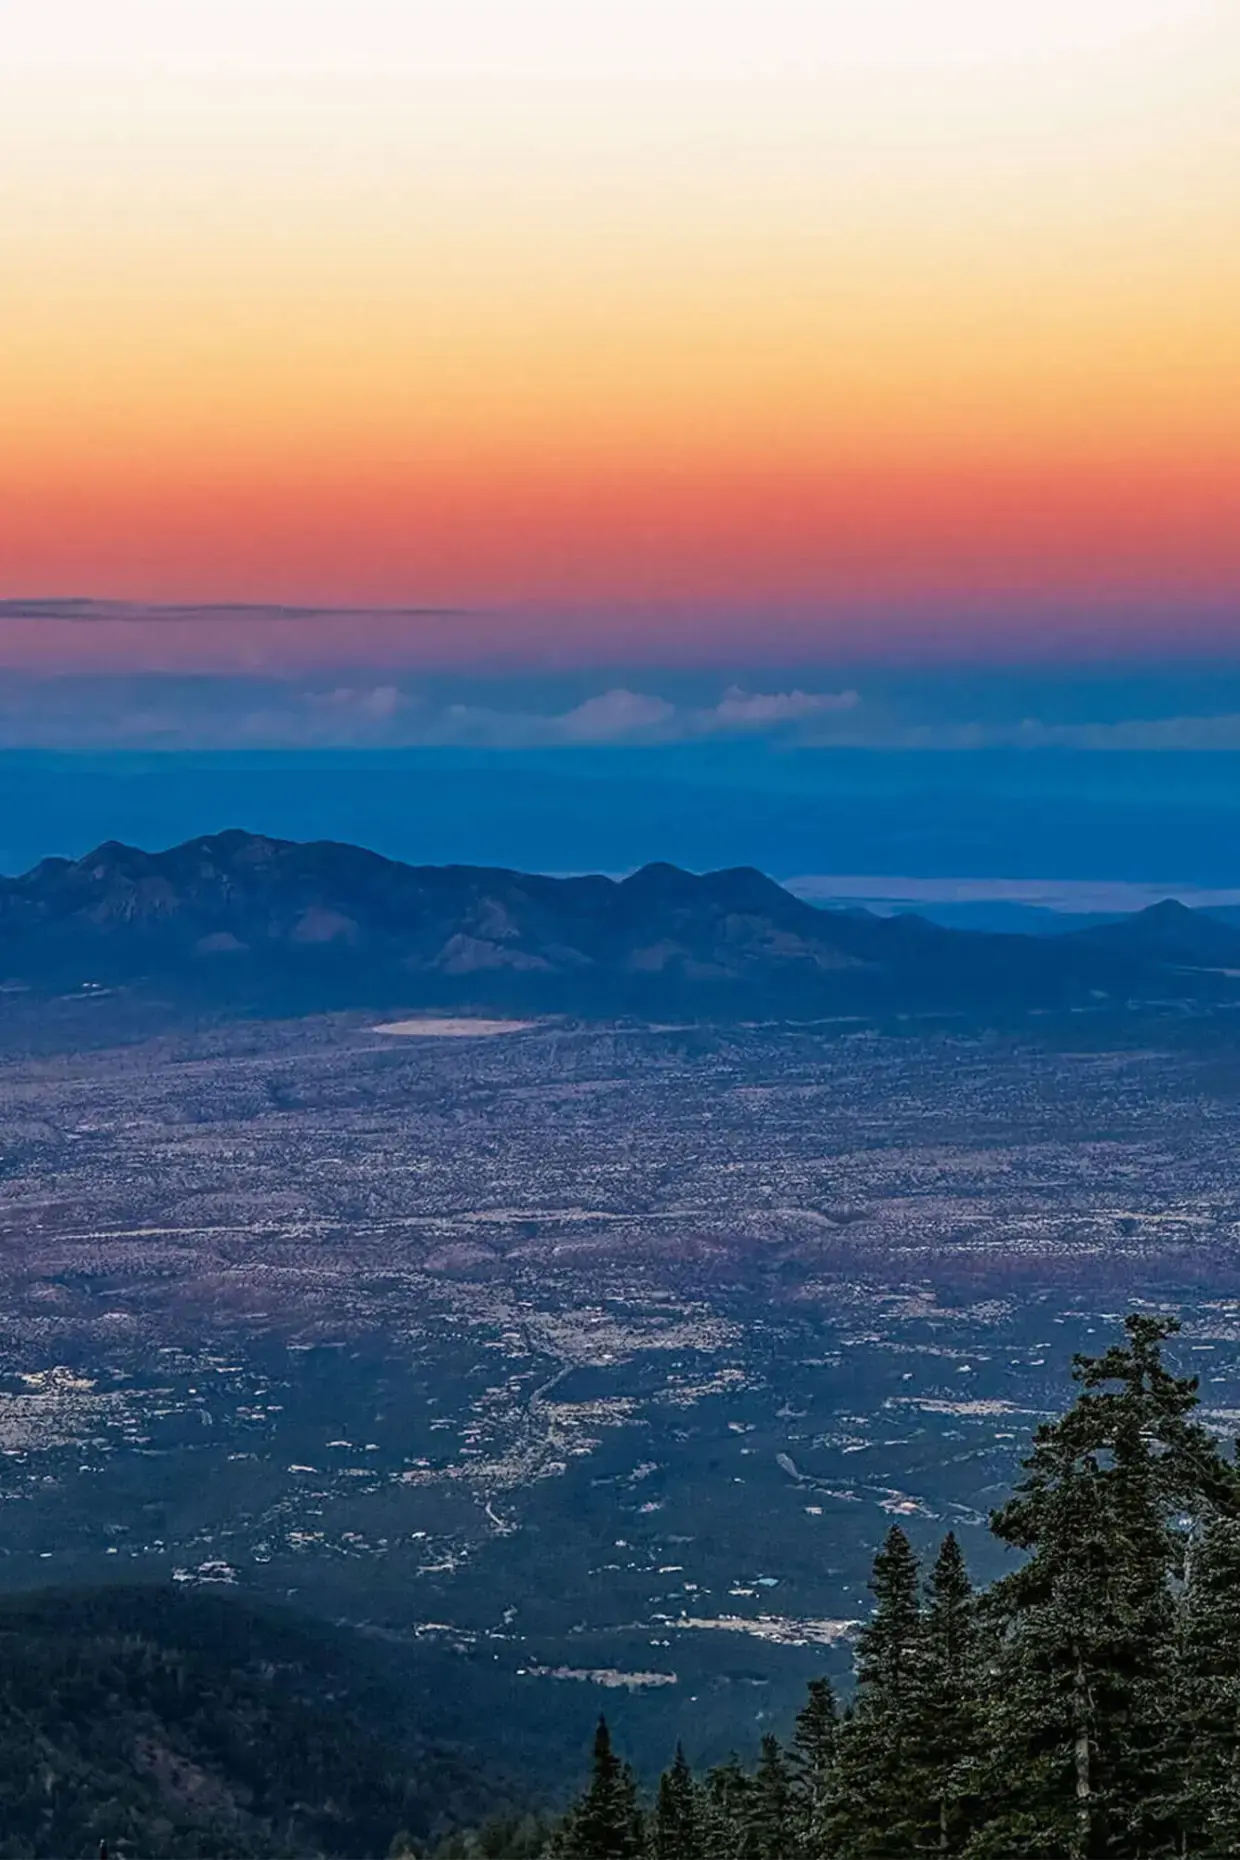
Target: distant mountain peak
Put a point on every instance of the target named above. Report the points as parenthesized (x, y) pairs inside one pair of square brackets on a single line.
[(1170, 932), (340, 925), (659, 874), (1168, 911)]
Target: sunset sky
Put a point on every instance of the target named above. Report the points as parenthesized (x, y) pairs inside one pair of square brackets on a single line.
[(658, 331)]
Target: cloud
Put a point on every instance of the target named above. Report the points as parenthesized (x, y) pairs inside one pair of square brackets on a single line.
[(235, 613), (168, 711), (165, 711), (620, 715), (378, 704), (1159, 733), (744, 709), (1217, 734), (615, 715), (623, 716)]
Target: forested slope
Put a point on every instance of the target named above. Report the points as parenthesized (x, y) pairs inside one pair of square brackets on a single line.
[(1087, 1705), (193, 1724)]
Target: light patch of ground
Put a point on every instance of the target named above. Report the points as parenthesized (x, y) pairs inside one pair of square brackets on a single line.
[(56, 1409), (603, 1676), (458, 1029), (929, 1406), (777, 1628), (213, 1571)]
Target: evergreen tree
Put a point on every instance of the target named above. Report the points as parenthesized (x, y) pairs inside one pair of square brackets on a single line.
[(675, 1829), (725, 1812), (1086, 1708), (813, 1770), (1081, 1729), (879, 1810), (1208, 1810), (949, 1738), (769, 1818), (605, 1824), (509, 1837)]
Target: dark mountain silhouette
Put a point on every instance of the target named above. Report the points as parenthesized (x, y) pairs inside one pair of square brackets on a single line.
[(242, 918), (1168, 933)]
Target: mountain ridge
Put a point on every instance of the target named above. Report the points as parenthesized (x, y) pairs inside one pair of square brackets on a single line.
[(238, 910), (1170, 932), (184, 1722)]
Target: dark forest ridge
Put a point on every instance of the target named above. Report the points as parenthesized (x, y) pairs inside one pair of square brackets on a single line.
[(238, 915), (175, 1722)]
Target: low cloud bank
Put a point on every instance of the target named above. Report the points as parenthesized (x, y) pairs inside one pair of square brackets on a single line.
[(361, 711), (178, 713)]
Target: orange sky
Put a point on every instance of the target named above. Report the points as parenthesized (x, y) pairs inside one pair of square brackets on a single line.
[(630, 310)]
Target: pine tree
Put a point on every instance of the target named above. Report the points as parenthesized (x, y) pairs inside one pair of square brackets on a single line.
[(879, 1810), (769, 1817), (1083, 1739), (949, 1738), (605, 1824), (725, 1812), (1207, 1814), (1087, 1707), (675, 1829), (813, 1770)]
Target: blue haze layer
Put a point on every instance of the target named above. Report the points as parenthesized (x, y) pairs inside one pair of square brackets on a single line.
[(1138, 816)]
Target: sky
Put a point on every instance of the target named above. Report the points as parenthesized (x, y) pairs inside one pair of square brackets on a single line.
[(803, 430), (623, 329)]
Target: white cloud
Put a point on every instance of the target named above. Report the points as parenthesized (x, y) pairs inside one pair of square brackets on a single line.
[(620, 715), (615, 715), (379, 703), (287, 714), (172, 712), (745, 709)]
